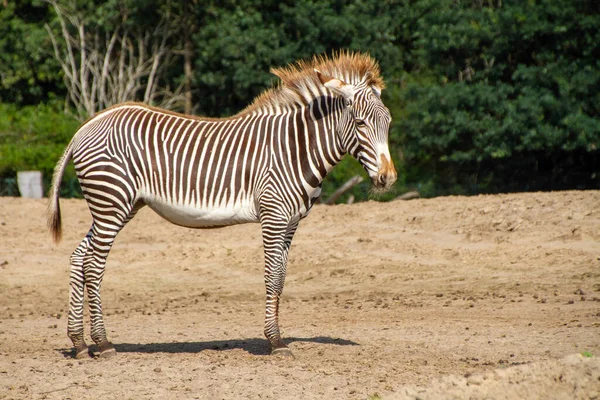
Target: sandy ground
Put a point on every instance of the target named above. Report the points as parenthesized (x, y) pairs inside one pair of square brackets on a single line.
[(478, 297)]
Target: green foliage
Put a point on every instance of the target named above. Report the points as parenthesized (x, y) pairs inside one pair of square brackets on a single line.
[(486, 96), (234, 54), (511, 83), (28, 72), (33, 137), (238, 43)]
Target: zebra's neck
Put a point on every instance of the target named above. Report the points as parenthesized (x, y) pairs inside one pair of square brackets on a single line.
[(307, 139)]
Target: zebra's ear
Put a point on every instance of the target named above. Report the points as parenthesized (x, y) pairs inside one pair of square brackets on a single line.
[(337, 86)]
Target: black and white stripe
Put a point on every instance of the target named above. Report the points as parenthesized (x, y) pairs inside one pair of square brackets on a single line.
[(263, 165)]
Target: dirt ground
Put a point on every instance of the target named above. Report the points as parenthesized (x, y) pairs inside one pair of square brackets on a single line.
[(493, 297)]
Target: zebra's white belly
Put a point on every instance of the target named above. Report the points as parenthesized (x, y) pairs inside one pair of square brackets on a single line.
[(196, 217)]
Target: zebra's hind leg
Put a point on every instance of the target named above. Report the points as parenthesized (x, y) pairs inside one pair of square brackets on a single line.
[(277, 238), (103, 234), (76, 293), (93, 269)]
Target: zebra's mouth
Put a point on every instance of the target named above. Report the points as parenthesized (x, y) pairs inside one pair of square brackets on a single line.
[(386, 176), (382, 184)]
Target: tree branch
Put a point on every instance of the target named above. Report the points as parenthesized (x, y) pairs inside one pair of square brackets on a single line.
[(103, 68)]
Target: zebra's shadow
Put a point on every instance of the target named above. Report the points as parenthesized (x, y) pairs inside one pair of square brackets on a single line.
[(255, 346)]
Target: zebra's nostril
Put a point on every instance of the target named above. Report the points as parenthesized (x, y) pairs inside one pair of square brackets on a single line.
[(381, 179)]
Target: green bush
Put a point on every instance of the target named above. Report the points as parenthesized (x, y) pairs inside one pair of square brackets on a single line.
[(506, 98), (33, 137), (486, 96)]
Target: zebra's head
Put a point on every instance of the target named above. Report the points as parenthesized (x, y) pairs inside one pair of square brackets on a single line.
[(364, 126)]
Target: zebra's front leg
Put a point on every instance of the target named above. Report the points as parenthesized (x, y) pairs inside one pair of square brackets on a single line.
[(76, 293), (277, 238)]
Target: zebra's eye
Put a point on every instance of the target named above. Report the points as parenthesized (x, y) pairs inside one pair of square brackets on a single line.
[(360, 122)]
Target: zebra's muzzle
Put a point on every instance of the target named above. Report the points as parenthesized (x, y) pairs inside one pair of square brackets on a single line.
[(386, 175)]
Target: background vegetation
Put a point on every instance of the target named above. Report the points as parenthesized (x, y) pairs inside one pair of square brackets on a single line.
[(486, 95)]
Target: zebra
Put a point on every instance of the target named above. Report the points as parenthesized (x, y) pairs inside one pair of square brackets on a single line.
[(264, 165)]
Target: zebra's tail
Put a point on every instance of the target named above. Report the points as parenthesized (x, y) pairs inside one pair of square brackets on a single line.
[(54, 219)]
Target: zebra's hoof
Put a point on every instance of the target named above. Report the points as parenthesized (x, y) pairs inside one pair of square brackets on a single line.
[(82, 353), (282, 352), (108, 353), (107, 350)]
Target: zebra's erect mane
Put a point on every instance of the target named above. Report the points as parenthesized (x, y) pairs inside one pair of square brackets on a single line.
[(300, 84)]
